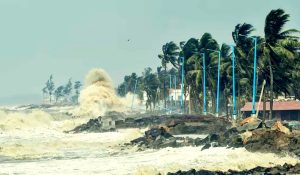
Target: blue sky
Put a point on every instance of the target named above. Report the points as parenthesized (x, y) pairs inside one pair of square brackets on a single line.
[(67, 38)]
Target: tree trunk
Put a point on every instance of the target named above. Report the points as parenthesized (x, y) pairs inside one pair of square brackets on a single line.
[(271, 89), (264, 105), (239, 95), (165, 103), (190, 101), (50, 94), (213, 101)]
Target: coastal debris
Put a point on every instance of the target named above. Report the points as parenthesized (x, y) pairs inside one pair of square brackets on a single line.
[(158, 137), (279, 169), (279, 127), (249, 124), (95, 125)]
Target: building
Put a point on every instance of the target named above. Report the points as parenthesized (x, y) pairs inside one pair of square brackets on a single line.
[(282, 110), (172, 95), (175, 95)]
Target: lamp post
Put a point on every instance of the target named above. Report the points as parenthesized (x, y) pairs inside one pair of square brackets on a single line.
[(182, 86), (204, 84), (218, 83), (254, 75), (233, 84), (133, 94)]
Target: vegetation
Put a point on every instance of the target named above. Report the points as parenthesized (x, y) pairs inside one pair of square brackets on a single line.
[(61, 93), (277, 63)]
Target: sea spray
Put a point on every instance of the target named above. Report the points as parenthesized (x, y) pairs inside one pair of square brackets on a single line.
[(21, 120), (99, 96)]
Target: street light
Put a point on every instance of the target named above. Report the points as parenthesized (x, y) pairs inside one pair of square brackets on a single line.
[(204, 84), (218, 85), (233, 84), (182, 85), (254, 75)]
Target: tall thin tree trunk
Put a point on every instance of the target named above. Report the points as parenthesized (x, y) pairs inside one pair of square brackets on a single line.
[(213, 101), (271, 89), (165, 103), (190, 101), (264, 105), (239, 95)]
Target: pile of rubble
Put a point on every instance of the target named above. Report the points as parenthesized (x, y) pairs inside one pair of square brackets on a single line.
[(255, 135), (158, 137)]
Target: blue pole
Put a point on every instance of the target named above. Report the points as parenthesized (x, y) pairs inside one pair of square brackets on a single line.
[(204, 84), (182, 86), (218, 85), (133, 94), (233, 85), (254, 79)]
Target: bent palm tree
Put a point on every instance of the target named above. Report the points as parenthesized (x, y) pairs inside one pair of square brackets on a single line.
[(170, 53), (278, 47)]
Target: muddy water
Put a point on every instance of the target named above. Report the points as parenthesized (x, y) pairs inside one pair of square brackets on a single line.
[(34, 143)]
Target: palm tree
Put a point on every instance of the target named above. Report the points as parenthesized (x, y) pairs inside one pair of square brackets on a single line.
[(170, 55), (192, 52), (279, 46), (208, 42), (242, 49), (226, 75)]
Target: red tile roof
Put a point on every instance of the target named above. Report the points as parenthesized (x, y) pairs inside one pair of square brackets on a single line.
[(277, 106)]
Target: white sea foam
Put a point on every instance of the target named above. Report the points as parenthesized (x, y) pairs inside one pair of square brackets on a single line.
[(99, 96)]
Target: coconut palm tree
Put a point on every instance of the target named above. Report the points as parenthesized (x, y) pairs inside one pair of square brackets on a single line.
[(279, 48), (170, 55), (242, 49), (192, 51), (208, 42)]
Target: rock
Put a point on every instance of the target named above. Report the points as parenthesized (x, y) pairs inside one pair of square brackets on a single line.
[(261, 140), (206, 146), (247, 120), (93, 125), (284, 169), (250, 124), (157, 138), (245, 136), (267, 140), (155, 132), (279, 127), (140, 140), (178, 124), (269, 123)]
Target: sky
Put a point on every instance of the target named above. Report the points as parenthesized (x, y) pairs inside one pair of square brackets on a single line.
[(67, 38)]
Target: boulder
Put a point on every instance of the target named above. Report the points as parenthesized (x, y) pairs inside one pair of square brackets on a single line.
[(153, 133), (279, 169), (278, 126), (93, 125), (249, 124)]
